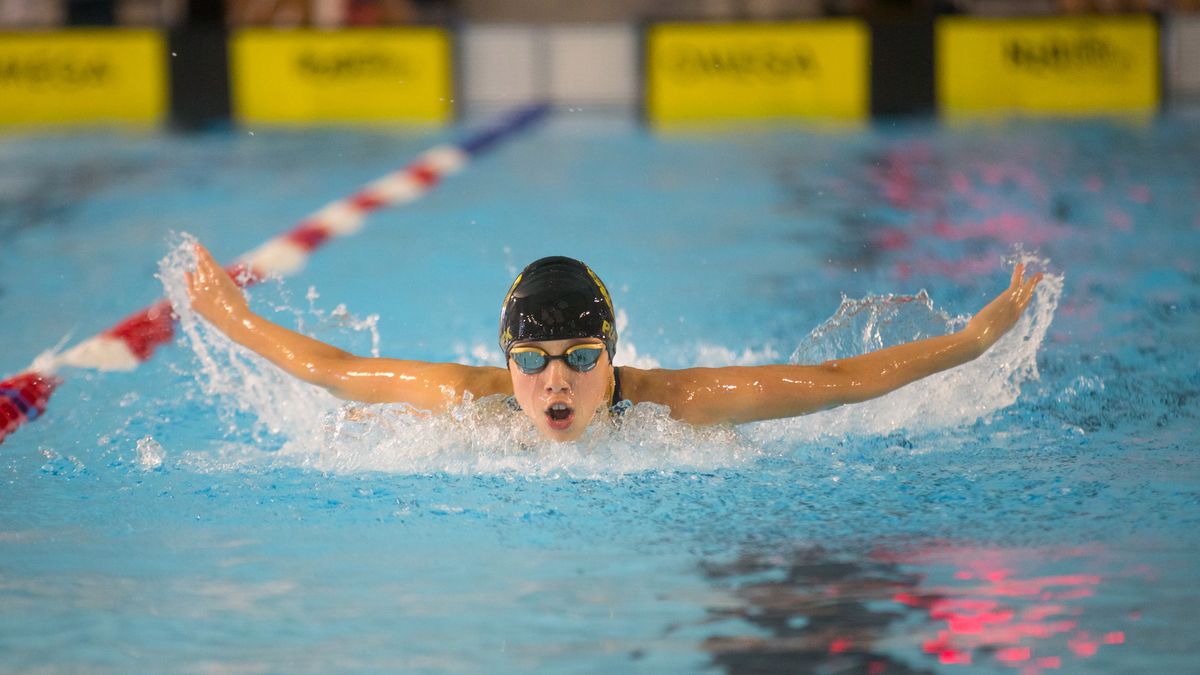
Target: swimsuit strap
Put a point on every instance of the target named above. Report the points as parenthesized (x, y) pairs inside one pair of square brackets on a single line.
[(616, 397)]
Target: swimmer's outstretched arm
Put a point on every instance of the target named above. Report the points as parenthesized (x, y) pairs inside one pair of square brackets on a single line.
[(429, 386), (753, 393)]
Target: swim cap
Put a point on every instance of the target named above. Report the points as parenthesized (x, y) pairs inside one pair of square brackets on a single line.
[(557, 298)]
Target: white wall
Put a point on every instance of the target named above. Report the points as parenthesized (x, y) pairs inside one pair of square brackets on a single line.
[(1183, 57), (596, 64), (24, 13), (499, 64), (566, 64), (593, 65)]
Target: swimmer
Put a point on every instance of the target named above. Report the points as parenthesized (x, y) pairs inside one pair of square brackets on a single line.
[(558, 335)]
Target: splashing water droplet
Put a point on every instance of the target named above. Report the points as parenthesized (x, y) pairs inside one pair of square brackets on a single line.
[(275, 419)]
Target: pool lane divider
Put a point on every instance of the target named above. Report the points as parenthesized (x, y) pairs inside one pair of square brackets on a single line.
[(124, 346)]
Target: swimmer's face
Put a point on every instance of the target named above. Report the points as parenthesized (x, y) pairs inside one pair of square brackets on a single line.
[(561, 401)]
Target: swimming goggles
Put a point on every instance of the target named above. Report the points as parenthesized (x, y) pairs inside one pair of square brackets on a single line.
[(533, 360)]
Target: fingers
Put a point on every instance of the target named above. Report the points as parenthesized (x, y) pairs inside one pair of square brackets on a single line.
[(206, 276), (1020, 289), (1037, 279), (1026, 291), (1029, 284), (208, 270), (1020, 284), (204, 258), (1017, 275)]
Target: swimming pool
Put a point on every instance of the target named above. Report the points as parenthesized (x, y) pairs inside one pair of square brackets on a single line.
[(1036, 510)]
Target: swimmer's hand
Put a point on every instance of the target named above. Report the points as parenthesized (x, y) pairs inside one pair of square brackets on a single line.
[(213, 294), (216, 297), (1001, 314)]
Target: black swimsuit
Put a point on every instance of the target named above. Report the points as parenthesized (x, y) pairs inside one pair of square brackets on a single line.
[(617, 399)]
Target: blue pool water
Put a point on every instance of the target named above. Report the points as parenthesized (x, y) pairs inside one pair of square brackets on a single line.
[(1034, 511)]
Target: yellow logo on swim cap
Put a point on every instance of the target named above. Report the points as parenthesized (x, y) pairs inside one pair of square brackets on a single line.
[(604, 292), (508, 295)]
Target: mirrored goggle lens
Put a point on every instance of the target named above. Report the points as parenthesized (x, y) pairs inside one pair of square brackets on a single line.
[(583, 358), (530, 362)]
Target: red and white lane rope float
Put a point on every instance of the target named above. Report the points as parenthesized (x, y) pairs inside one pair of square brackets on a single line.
[(23, 397)]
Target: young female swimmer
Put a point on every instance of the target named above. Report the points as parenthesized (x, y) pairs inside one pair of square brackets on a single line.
[(558, 334)]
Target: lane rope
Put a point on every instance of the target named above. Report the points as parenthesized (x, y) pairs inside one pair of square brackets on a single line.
[(133, 340)]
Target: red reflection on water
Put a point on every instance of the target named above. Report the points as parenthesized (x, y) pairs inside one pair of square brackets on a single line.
[(1049, 662), (1140, 194), (964, 267), (992, 608), (1013, 654), (955, 657), (839, 645), (1008, 227), (1083, 648), (1119, 219)]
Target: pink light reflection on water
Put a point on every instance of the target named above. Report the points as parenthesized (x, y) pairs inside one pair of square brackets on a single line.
[(1007, 202), (897, 176), (998, 607), (1119, 219), (1009, 227), (962, 269)]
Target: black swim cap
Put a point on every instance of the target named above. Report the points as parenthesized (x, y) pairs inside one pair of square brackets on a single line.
[(557, 298)]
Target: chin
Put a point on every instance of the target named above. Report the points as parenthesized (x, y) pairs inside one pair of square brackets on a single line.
[(564, 435)]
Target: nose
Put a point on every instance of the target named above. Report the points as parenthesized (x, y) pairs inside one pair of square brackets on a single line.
[(557, 377)]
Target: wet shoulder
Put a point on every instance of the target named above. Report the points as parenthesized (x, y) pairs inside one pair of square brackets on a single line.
[(639, 385), (483, 381), (669, 387)]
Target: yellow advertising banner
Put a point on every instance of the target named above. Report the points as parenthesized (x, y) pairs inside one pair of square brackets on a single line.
[(1051, 66), (745, 71), (83, 76), (359, 75)]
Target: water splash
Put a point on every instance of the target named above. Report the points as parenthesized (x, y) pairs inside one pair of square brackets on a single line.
[(233, 378), (321, 432), (872, 323), (150, 453), (959, 396), (275, 419), (487, 436)]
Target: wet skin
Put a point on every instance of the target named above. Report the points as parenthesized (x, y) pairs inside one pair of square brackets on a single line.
[(695, 395), (584, 394)]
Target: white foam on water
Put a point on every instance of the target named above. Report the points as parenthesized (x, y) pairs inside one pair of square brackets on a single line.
[(487, 436), (955, 397), (150, 453), (230, 375)]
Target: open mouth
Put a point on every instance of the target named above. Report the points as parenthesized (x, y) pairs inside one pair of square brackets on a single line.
[(560, 416)]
